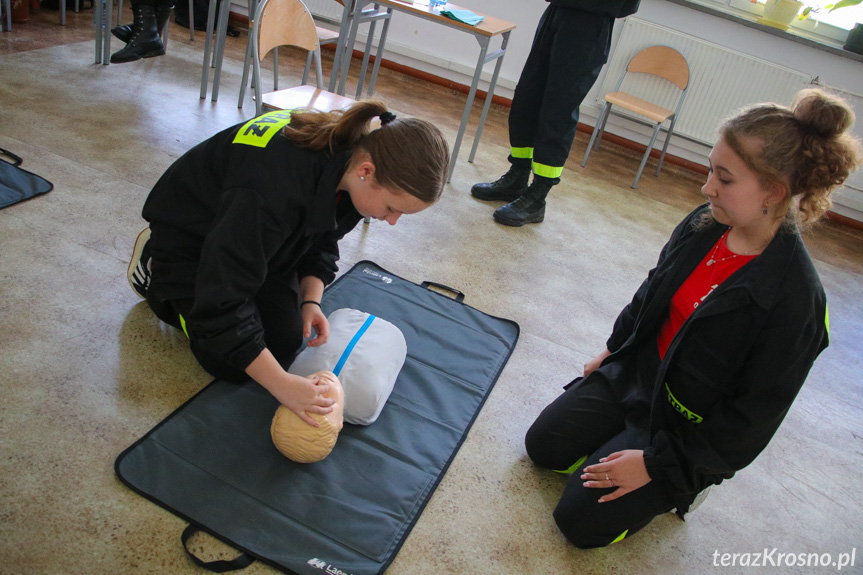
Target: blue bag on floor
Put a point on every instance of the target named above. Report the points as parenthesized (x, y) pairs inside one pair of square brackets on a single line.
[(17, 184)]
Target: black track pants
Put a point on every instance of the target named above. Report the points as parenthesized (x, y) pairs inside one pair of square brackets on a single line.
[(587, 419), (278, 310), (568, 52)]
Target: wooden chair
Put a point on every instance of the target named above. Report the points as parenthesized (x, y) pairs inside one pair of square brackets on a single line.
[(289, 23), (659, 61), (325, 36)]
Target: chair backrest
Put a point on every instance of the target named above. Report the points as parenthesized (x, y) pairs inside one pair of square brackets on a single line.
[(284, 23), (661, 61)]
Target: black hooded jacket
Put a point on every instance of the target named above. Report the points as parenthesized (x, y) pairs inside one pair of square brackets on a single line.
[(733, 369), (244, 206)]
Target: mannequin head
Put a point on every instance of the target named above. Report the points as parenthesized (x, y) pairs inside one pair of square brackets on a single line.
[(299, 441)]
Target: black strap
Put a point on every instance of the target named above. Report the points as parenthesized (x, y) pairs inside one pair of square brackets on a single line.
[(459, 297), (220, 566), (17, 159)]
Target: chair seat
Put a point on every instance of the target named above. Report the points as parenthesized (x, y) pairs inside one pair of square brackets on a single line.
[(639, 106), (305, 97)]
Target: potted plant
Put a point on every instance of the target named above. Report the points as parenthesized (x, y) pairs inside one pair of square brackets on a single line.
[(780, 13), (854, 42)]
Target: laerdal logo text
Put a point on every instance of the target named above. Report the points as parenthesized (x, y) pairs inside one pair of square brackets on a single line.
[(383, 278), (325, 567)]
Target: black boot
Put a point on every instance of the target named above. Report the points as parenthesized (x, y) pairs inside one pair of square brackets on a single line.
[(530, 207), (145, 41), (124, 33), (510, 186)]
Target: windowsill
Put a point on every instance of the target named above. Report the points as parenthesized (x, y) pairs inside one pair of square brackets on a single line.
[(791, 34)]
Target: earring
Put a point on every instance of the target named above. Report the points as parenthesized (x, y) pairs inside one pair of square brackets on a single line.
[(764, 208), (363, 178)]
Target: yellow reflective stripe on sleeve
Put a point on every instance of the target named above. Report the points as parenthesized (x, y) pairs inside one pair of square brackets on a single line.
[(259, 131), (183, 324), (573, 467), (521, 152), (620, 537), (827, 318), (690, 415), (546, 171)]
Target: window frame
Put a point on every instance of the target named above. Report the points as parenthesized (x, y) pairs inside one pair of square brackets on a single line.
[(809, 28)]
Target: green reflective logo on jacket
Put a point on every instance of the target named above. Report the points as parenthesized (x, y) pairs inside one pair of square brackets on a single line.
[(683, 410), (259, 131)]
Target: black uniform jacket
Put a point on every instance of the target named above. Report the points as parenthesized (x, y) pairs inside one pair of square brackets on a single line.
[(244, 207), (615, 8), (734, 368)]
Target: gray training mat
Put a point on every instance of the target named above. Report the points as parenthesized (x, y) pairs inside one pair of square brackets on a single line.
[(212, 461)]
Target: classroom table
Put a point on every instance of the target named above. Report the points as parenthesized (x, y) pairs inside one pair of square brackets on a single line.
[(489, 28)]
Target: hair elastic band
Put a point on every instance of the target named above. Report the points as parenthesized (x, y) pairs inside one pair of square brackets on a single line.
[(386, 118), (310, 301)]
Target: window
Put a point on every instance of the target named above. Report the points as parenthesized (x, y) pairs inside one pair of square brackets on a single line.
[(831, 28)]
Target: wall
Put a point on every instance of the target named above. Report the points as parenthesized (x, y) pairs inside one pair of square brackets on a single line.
[(452, 54)]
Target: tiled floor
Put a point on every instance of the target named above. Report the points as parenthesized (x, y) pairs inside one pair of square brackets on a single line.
[(85, 369)]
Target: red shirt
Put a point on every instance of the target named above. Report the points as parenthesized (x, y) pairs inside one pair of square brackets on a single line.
[(716, 267)]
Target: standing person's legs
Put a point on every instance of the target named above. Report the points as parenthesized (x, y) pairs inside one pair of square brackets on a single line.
[(580, 49), (523, 118), (577, 48)]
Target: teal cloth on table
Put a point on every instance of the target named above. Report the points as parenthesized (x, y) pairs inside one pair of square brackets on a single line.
[(465, 16)]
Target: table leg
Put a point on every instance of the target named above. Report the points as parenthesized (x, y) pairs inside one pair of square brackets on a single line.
[(499, 55), (205, 72), (219, 49), (345, 63), (106, 30), (380, 53), (344, 27), (98, 14), (483, 42)]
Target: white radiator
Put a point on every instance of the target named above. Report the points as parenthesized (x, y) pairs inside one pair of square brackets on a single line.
[(721, 80), (325, 9)]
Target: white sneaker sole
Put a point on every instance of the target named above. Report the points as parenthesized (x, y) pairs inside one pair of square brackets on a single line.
[(140, 242)]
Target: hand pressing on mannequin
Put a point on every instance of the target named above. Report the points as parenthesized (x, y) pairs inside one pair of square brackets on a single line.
[(305, 444), (304, 396), (622, 469)]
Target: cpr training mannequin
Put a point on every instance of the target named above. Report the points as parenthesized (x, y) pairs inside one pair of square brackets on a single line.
[(299, 441), (367, 353)]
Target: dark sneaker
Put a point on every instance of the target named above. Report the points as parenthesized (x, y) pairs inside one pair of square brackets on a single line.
[(139, 267), (505, 189)]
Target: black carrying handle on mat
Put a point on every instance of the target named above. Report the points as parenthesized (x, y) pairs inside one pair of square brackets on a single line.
[(459, 296), (17, 159), (220, 566)]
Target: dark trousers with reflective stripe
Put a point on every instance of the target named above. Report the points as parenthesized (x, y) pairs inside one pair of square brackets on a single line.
[(278, 312), (568, 52), (588, 419)]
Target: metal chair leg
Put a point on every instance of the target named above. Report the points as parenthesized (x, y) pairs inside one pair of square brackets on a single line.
[(646, 155), (600, 124)]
